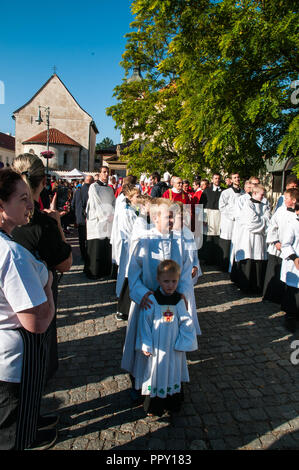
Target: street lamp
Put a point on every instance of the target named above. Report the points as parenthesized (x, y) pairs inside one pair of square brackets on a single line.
[(39, 120)]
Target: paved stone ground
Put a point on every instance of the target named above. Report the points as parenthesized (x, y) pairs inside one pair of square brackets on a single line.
[(243, 391)]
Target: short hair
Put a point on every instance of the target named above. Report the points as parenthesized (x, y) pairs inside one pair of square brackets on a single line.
[(294, 193), (131, 191), (159, 203), (130, 179), (168, 266), (258, 188), (103, 166), (155, 174), (126, 188), (197, 181), (253, 178), (291, 179)]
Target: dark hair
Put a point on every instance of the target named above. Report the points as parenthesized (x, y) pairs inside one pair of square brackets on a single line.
[(197, 181), (294, 193), (8, 182), (103, 166), (291, 179), (130, 179), (185, 182), (156, 175)]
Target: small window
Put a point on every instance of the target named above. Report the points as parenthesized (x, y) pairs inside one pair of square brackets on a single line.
[(65, 158)]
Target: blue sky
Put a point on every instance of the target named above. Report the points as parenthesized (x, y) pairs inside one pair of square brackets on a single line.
[(84, 40)]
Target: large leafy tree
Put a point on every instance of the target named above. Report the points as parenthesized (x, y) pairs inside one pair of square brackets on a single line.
[(216, 91)]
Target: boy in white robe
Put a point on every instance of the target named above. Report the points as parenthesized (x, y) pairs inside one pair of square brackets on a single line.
[(165, 333), (156, 245), (273, 287), (228, 207), (249, 248), (290, 272), (126, 219)]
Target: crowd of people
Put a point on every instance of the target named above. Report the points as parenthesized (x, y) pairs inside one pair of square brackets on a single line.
[(152, 236)]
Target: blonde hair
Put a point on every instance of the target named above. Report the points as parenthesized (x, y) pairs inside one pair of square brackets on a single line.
[(130, 192), (258, 188), (31, 168), (168, 266), (160, 203)]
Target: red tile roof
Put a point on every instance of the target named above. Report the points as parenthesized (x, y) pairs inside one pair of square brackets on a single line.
[(7, 141), (55, 137)]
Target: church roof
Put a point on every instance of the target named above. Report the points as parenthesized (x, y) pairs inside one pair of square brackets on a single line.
[(7, 141), (44, 85), (55, 137)]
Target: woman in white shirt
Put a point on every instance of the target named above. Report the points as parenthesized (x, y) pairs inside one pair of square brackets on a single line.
[(26, 310)]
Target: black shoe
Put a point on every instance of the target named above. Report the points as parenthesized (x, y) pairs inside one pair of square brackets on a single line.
[(44, 439), (290, 324), (47, 421), (121, 316)]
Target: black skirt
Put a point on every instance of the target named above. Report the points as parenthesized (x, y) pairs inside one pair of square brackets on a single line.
[(35, 357), (158, 406), (210, 252), (274, 288), (99, 257), (249, 275), (224, 253), (124, 301), (290, 301)]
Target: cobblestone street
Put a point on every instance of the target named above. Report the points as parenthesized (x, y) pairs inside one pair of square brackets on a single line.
[(243, 391)]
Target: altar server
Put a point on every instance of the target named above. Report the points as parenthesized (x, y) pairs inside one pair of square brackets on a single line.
[(99, 219), (273, 287), (227, 208), (290, 272), (157, 245), (165, 333), (249, 250)]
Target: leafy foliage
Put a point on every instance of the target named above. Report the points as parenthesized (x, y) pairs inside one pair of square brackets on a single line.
[(216, 85)]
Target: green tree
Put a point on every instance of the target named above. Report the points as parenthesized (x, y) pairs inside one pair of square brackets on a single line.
[(106, 143), (216, 88)]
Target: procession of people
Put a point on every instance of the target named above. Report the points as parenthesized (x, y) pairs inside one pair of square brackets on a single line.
[(152, 235)]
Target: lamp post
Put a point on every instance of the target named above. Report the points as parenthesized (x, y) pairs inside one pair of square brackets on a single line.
[(39, 120)]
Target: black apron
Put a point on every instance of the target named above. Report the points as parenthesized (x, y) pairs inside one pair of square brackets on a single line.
[(35, 358)]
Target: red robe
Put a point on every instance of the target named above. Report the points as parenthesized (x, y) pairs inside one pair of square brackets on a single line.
[(182, 197), (196, 197)]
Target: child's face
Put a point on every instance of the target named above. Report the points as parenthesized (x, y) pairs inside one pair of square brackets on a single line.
[(168, 282), (289, 201), (164, 221)]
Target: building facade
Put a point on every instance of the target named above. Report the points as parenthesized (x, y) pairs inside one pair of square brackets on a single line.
[(72, 131), (7, 149)]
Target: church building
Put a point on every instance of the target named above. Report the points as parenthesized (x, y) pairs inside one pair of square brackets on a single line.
[(72, 131)]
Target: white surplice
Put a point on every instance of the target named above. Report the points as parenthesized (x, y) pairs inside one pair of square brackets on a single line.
[(249, 237), (290, 246), (115, 239), (99, 212), (227, 207), (147, 253), (167, 333), (126, 218), (277, 227)]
